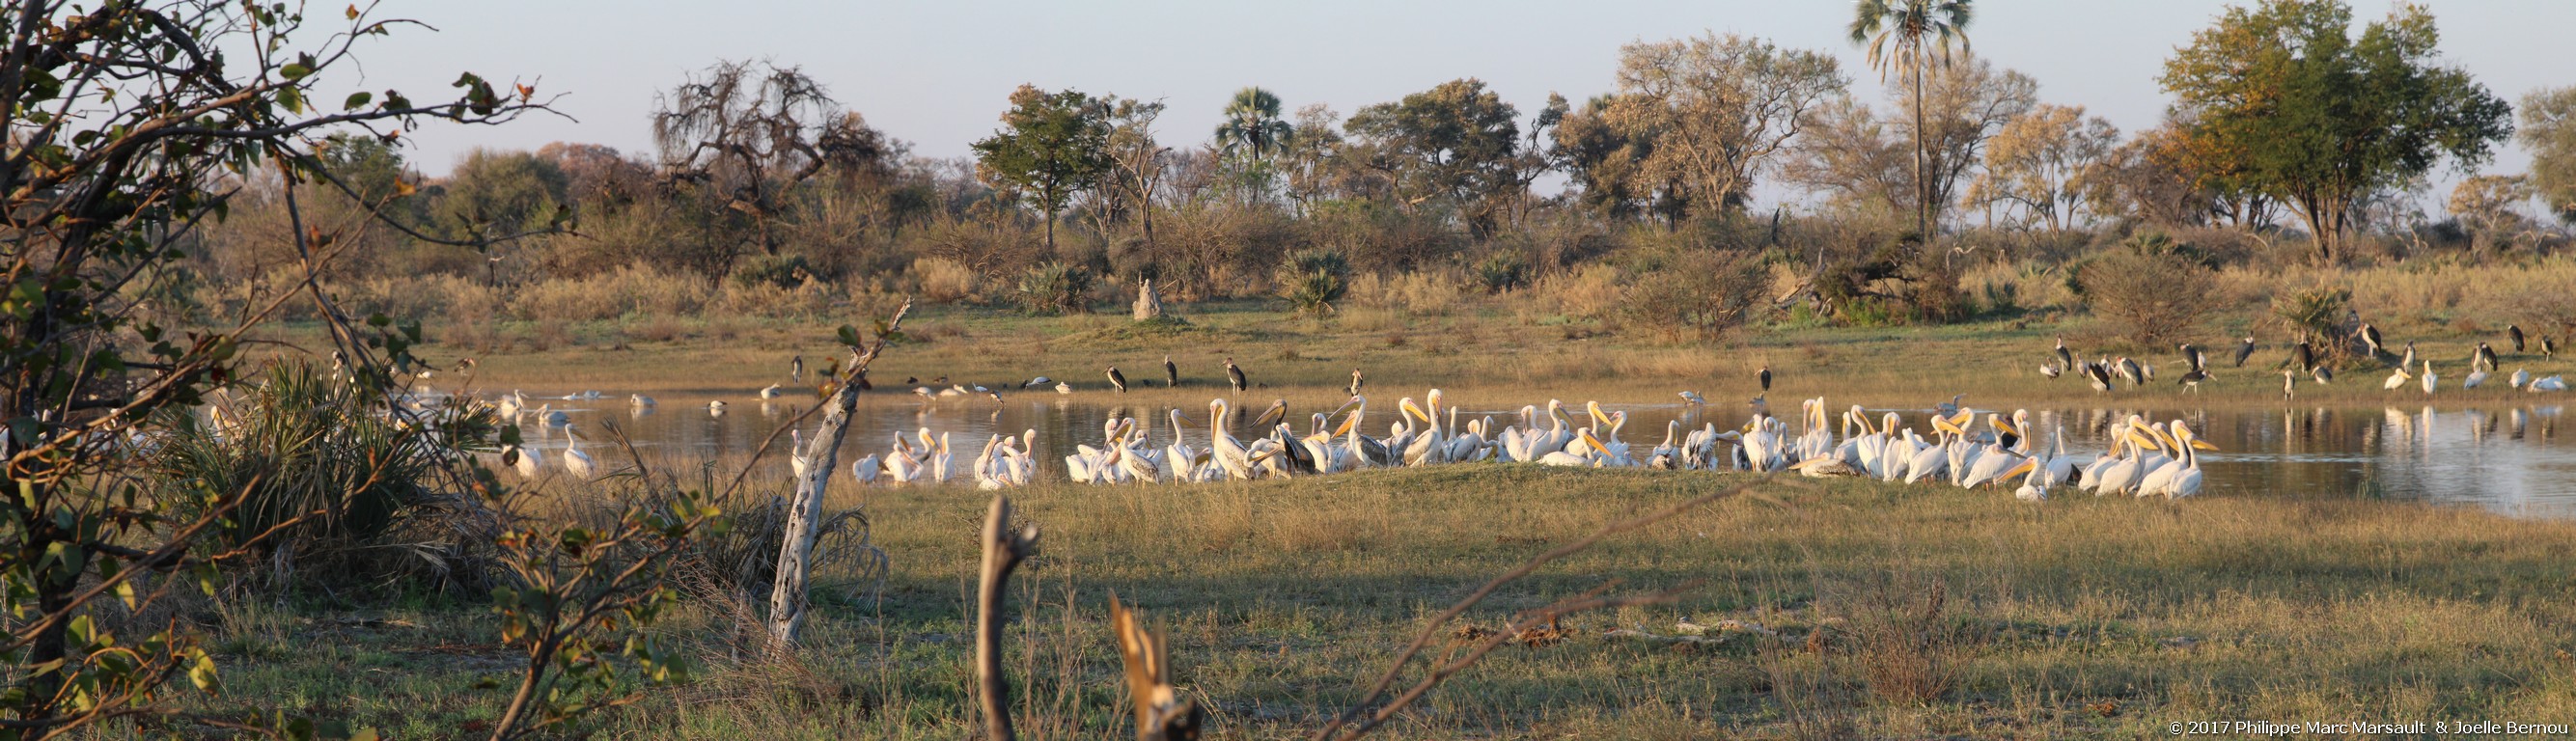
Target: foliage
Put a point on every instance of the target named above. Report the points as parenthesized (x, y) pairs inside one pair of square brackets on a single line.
[(2314, 312), (582, 606), (325, 474), (783, 271), (504, 193), (1503, 271), (1901, 279), (1707, 113), (2286, 96), (2154, 292), (1312, 280), (1907, 37), (1456, 142), (735, 141), (1691, 293), (2047, 162), (127, 126), (1056, 288), (1051, 146), (2549, 131)]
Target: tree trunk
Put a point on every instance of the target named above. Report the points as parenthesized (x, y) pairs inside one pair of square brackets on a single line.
[(1922, 174), (796, 552), (1003, 550)]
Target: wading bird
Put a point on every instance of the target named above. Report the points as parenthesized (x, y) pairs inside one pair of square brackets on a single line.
[(576, 462), (2245, 350), (2430, 381), (1765, 375), (2065, 357), (1063, 388), (2289, 384), (1117, 380), (639, 400), (2322, 374), (1171, 373), (2396, 380), (2485, 358), (2370, 337), (772, 392), (796, 369), (2514, 332), (1355, 381), (1234, 375)]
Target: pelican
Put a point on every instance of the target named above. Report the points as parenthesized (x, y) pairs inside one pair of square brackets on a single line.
[(772, 392), (798, 461), (1063, 387), (528, 464), (2396, 380), (2048, 370), (865, 469), (2551, 383), (2430, 381), (639, 400), (1036, 382), (2519, 379), (546, 414), (1694, 399), (576, 462), (512, 405), (2475, 377), (1117, 380)]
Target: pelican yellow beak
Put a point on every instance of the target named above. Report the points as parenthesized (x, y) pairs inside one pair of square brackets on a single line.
[(2005, 424), (2027, 465), (1593, 442), (1271, 416), (2199, 444), (1348, 421), (1597, 417), (1961, 420), (1413, 410)]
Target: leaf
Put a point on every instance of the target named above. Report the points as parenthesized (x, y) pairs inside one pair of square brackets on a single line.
[(358, 100), (294, 71), (202, 674), (353, 15)]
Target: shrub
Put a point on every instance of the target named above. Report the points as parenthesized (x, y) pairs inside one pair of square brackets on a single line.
[(1056, 288), (305, 442), (1696, 294), (941, 280), (2156, 298), (1503, 271), (783, 271), (1312, 280), (1900, 277)]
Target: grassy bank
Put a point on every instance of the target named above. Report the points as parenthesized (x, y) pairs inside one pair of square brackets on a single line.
[(1479, 351), (1884, 611)]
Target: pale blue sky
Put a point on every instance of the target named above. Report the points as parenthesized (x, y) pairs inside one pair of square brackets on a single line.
[(936, 73)]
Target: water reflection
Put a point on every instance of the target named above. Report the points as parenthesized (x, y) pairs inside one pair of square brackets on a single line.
[(2505, 459)]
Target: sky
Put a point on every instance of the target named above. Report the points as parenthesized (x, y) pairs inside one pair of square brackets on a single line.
[(936, 74)]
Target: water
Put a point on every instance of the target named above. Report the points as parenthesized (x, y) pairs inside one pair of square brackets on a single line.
[(2507, 459)]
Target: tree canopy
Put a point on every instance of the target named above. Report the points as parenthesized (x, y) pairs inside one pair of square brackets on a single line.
[(1050, 147), (2549, 130), (2286, 97), (1454, 142)]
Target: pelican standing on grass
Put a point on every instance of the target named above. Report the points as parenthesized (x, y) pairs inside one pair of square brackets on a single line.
[(576, 462)]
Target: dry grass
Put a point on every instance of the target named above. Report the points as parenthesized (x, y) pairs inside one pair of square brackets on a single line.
[(1877, 611), (1431, 293)]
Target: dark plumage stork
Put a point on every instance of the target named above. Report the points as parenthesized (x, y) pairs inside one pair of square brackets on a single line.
[(2514, 332), (2191, 378), (1765, 375), (2548, 348), (2192, 356), (2408, 360), (2098, 374), (1117, 380), (2307, 355), (2485, 356), (2245, 350), (1171, 373), (2065, 357), (2130, 371), (2370, 337), (796, 369), (1234, 375), (2322, 374), (1355, 382)]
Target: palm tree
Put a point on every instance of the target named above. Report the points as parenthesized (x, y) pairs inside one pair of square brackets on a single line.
[(1898, 33), (1252, 125)]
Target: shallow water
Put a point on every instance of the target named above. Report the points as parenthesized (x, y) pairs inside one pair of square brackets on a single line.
[(2507, 459)]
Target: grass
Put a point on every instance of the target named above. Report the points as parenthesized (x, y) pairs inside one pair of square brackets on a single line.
[(2078, 617)]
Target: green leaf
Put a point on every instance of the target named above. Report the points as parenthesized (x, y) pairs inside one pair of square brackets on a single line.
[(294, 71), (358, 100), (202, 674)]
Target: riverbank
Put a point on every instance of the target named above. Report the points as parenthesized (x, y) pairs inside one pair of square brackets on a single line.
[(1858, 609), (1475, 349)]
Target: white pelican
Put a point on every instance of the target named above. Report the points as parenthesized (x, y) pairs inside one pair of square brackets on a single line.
[(2520, 379), (528, 463), (2396, 380), (639, 400), (576, 462), (865, 469), (2430, 381), (772, 392), (2475, 378), (1063, 388)]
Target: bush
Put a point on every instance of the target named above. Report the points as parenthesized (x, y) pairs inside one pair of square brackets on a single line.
[(941, 280), (1056, 288), (1312, 280), (1503, 271), (2157, 298), (783, 271), (305, 443), (1902, 278), (1696, 294)]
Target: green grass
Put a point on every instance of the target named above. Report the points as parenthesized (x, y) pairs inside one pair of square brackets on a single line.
[(2079, 617)]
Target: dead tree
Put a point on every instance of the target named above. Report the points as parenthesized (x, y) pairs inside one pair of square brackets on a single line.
[(1003, 551), (822, 454)]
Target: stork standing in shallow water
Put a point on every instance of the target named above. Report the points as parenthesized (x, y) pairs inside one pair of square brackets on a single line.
[(1117, 380)]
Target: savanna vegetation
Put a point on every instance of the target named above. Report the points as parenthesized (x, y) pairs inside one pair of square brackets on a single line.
[(236, 515)]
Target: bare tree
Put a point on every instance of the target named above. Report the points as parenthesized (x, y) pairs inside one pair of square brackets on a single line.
[(735, 139)]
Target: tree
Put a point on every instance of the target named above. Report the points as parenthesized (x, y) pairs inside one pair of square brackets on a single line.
[(503, 193), (2048, 162), (1140, 159), (1606, 161), (1864, 160), (2549, 131), (1252, 128), (1313, 154), (1717, 110), (129, 125), (1455, 142), (1898, 33), (2322, 120), (1966, 104), (2485, 207), (597, 177), (1051, 146), (734, 140)]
